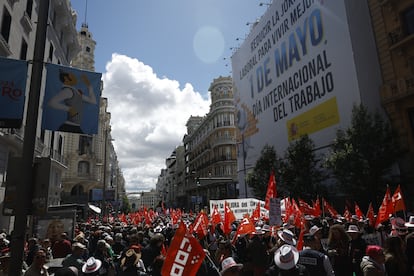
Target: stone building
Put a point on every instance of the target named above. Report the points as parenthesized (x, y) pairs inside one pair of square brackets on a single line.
[(17, 40), (393, 24), (211, 149), (93, 173)]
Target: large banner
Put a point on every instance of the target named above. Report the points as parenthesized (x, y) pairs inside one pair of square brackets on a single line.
[(71, 102), (295, 74), (240, 206), (13, 78)]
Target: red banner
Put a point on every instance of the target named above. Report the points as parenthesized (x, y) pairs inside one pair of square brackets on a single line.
[(184, 255)]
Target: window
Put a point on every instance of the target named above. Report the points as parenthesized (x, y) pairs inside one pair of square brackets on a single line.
[(51, 49), (85, 144), (88, 49), (60, 145), (83, 167), (5, 25), (408, 19), (29, 8), (23, 50)]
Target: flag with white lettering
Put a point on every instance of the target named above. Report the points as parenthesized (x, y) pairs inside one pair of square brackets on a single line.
[(71, 102), (398, 200), (184, 256), (13, 79)]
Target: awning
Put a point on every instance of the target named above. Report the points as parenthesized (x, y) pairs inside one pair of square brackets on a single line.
[(94, 208)]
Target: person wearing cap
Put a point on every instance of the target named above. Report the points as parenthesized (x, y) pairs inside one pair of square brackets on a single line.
[(410, 224), (119, 244), (286, 260), (398, 227), (102, 253), (357, 248), (229, 267), (372, 263), (76, 258), (316, 232), (317, 263), (92, 267)]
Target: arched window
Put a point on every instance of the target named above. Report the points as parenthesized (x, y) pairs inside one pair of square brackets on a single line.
[(76, 190)]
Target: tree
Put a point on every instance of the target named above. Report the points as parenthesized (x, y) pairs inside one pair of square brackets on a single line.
[(259, 177), (301, 170), (362, 155), (125, 207)]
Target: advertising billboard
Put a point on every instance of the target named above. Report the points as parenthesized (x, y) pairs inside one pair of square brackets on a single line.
[(295, 74)]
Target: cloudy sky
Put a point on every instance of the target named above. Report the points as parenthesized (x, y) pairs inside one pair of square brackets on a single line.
[(158, 59)]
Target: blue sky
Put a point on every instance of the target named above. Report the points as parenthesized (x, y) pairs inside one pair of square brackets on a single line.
[(162, 34), (158, 59)]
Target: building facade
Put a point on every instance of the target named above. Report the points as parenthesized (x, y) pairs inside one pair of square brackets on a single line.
[(393, 24), (93, 173), (211, 150), (17, 40)]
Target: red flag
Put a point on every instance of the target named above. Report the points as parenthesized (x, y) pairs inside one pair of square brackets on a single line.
[(397, 200), (246, 226), (370, 215), (229, 218), (317, 208), (200, 225), (329, 208), (347, 214), (299, 246), (256, 212), (215, 216), (271, 190), (184, 256), (288, 209), (148, 219), (385, 209), (305, 208), (297, 213), (358, 212)]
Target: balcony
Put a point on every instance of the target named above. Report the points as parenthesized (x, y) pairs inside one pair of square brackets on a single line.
[(26, 23), (397, 90), (4, 47)]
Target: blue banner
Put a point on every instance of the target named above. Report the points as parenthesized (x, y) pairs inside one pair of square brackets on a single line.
[(71, 102), (13, 78)]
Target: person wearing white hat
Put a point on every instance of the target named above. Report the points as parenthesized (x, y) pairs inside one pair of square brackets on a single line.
[(230, 267), (317, 233), (410, 223), (286, 259), (286, 237), (92, 266), (357, 248)]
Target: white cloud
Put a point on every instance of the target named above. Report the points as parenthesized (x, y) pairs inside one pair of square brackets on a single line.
[(148, 117)]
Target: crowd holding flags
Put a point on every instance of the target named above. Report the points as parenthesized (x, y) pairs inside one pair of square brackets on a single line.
[(185, 254)]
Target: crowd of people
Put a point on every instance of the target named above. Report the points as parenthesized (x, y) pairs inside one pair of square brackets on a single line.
[(324, 246)]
